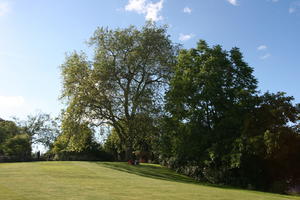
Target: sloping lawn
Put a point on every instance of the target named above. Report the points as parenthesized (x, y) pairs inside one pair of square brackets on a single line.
[(103, 180)]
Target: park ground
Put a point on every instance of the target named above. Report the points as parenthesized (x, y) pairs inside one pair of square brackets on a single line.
[(110, 180)]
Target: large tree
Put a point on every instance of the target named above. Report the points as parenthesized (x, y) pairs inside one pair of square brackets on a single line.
[(125, 79), (220, 129), (209, 98)]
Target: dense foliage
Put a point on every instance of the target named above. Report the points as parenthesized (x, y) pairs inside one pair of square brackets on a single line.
[(123, 82), (200, 113), (77, 142), (219, 129), (15, 144)]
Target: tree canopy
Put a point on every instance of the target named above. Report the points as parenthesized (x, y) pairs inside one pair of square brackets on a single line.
[(219, 128), (196, 110), (126, 78)]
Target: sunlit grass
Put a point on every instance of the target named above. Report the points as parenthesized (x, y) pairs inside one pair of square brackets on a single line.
[(97, 180)]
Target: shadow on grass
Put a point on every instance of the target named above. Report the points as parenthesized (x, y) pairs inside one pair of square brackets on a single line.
[(150, 171), (159, 172)]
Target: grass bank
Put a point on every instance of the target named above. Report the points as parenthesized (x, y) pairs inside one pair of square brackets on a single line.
[(109, 181)]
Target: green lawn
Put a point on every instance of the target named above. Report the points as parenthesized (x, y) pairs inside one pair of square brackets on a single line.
[(101, 181)]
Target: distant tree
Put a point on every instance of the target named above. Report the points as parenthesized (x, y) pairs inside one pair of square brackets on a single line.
[(114, 146), (8, 129), (74, 137), (125, 79), (18, 148), (77, 142), (41, 128), (16, 135)]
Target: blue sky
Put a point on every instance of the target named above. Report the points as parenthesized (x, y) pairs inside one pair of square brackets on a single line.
[(35, 35)]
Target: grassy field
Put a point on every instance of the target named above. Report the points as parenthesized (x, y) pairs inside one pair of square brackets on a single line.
[(101, 181)]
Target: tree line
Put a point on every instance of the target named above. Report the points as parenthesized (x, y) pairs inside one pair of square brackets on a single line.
[(18, 136), (198, 111)]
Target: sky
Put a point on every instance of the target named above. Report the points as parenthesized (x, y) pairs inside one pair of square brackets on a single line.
[(35, 36)]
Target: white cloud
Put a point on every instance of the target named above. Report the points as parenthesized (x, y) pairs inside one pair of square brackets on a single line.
[(185, 37), (262, 47), (11, 101), (136, 5), (187, 10), (233, 2), (267, 55), (148, 8), (4, 8)]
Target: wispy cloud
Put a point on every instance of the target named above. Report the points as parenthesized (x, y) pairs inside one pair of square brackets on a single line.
[(267, 55), (262, 47), (11, 101), (4, 8), (185, 37), (233, 2), (294, 7), (292, 10), (187, 10), (148, 8)]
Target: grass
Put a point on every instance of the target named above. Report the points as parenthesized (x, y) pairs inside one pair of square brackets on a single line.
[(103, 181)]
